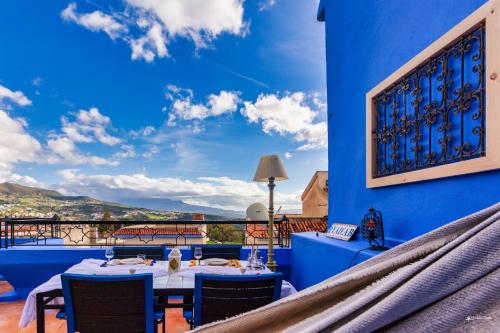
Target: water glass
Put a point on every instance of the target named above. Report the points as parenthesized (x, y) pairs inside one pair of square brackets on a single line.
[(260, 263), (109, 254), (198, 254), (250, 262)]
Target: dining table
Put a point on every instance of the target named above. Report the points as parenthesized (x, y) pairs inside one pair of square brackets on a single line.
[(49, 295)]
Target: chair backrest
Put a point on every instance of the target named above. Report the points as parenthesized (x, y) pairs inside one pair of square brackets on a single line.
[(222, 296), (151, 252), (108, 304), (218, 251)]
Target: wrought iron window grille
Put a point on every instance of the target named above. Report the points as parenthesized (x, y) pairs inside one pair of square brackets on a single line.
[(437, 115), (434, 115)]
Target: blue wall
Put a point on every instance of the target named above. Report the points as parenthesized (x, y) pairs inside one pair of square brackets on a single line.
[(366, 41), (316, 257), (25, 268)]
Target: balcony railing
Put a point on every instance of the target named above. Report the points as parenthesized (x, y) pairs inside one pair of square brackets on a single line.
[(54, 232)]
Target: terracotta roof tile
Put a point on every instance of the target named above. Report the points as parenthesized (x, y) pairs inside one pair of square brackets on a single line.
[(304, 224), (156, 231), (258, 231), (292, 223)]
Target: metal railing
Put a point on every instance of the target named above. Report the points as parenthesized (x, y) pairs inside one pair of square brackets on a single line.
[(54, 232)]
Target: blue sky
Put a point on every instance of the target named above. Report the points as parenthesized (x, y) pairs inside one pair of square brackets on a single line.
[(169, 99)]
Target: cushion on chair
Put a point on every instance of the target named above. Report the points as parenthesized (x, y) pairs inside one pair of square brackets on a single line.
[(188, 314), (158, 315), (61, 314)]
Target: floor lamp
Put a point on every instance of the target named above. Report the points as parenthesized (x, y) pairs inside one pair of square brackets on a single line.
[(270, 169)]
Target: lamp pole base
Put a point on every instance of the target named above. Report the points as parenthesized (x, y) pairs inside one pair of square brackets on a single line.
[(272, 265)]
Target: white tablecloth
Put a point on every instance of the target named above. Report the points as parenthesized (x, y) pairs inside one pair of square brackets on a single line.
[(286, 288), (92, 267)]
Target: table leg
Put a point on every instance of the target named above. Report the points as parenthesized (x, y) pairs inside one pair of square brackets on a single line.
[(40, 314), (189, 300)]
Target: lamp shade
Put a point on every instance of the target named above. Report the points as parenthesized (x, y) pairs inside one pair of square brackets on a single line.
[(270, 166)]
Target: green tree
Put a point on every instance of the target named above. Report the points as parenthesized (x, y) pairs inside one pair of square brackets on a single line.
[(107, 215), (106, 228), (225, 233)]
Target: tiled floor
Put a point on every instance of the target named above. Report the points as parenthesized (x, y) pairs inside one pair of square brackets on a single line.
[(11, 311)]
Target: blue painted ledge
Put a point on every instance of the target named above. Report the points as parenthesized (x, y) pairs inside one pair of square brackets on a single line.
[(316, 258), (26, 267)]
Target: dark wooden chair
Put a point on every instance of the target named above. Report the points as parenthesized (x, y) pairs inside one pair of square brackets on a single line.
[(218, 251), (217, 297), (151, 252), (110, 304)]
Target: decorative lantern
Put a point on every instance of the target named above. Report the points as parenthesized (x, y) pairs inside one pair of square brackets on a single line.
[(174, 260), (372, 229)]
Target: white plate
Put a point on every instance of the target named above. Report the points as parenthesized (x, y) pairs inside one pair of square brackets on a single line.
[(131, 261), (216, 262)]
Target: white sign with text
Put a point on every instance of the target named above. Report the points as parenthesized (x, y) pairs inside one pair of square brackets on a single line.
[(342, 231)]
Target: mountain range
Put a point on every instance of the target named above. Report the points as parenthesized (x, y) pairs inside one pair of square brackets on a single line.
[(178, 206), (22, 201)]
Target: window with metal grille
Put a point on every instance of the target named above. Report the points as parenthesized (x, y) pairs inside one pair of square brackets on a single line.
[(435, 114), (432, 117)]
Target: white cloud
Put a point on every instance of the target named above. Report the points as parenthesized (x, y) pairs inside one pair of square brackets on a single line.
[(37, 81), (225, 102), (291, 114), (95, 21), (199, 20), (184, 108), (16, 97), (218, 192), (127, 151), (149, 25), (24, 180), (142, 132), (151, 152), (16, 145), (174, 92), (87, 126), (64, 150), (288, 155), (266, 4)]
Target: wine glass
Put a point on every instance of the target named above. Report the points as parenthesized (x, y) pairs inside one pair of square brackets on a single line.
[(198, 254), (109, 254), (142, 257)]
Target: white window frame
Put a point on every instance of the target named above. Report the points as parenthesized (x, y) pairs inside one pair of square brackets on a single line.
[(490, 14)]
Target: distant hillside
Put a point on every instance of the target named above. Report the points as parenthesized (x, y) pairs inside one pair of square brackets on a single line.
[(20, 190), (178, 206), (23, 201)]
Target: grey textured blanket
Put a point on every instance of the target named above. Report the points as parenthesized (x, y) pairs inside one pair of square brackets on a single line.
[(444, 281)]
